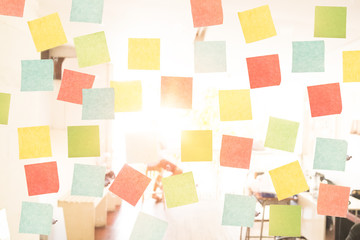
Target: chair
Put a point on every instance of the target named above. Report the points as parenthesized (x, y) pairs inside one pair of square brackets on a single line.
[(156, 174)]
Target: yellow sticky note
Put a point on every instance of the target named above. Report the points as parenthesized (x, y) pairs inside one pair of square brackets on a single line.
[(128, 96), (47, 32), (235, 105), (196, 145), (34, 142), (144, 54), (351, 66), (288, 180), (257, 24)]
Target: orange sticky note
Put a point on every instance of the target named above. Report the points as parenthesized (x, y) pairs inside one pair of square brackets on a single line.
[(130, 184), (325, 99), (42, 178), (12, 7), (333, 200), (206, 12), (264, 71), (176, 92), (235, 152)]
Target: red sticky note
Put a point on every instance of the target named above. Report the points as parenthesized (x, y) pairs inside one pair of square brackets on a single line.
[(206, 12), (42, 178), (130, 184), (176, 92), (325, 99), (264, 71), (72, 85), (333, 200), (235, 152), (12, 7)]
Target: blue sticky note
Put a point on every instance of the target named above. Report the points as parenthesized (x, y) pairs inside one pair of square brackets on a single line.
[(239, 210), (210, 56), (148, 228), (308, 56), (90, 11), (98, 103), (330, 154), (36, 218), (88, 180), (37, 75)]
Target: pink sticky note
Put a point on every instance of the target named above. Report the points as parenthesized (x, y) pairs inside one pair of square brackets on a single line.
[(206, 12), (176, 92), (333, 200), (325, 99), (235, 152), (12, 7)]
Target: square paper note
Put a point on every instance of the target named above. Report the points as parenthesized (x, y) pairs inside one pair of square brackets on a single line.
[(206, 12), (351, 66), (196, 145), (176, 92), (37, 75), (235, 152), (148, 228), (239, 210), (235, 105), (34, 142), (333, 200), (36, 218), (210, 56), (83, 141), (330, 154), (148, 142), (98, 103), (325, 99), (285, 220), (12, 8), (330, 22), (88, 180), (144, 54), (87, 11), (308, 56), (128, 96), (42, 178), (4, 108)]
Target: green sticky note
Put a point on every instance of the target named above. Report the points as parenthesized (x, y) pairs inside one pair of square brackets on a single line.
[(210, 56), (98, 103), (285, 220), (308, 56), (4, 108), (91, 49), (148, 228), (88, 180), (330, 154), (83, 141), (36, 218), (239, 210), (87, 11), (330, 22), (281, 134), (37, 75)]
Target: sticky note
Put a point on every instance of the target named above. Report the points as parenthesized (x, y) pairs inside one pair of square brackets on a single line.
[(4, 108), (36, 218), (351, 66), (34, 142), (325, 99), (148, 227), (281, 134), (288, 180), (176, 92), (83, 141), (235, 151), (330, 22), (128, 96), (72, 84), (87, 11), (12, 7), (47, 32), (239, 210), (308, 56), (196, 145), (257, 24), (129, 184), (285, 220), (330, 154), (37, 75), (144, 54), (4, 226), (91, 49), (180, 190), (210, 56), (264, 71), (98, 103), (88, 180), (333, 200), (148, 142), (42, 178), (206, 12), (235, 105)]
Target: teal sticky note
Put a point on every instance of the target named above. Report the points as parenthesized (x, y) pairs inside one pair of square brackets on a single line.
[(148, 227), (88, 180), (36, 218), (285, 220), (330, 154), (98, 103), (210, 56), (239, 210), (4, 108), (90, 11), (37, 75), (330, 22), (308, 56)]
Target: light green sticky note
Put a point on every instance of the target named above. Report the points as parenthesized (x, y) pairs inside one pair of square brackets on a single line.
[(239, 210), (308, 56), (88, 180), (36, 218), (83, 141), (281, 134), (91, 49), (4, 108), (330, 154), (210, 56), (90, 11), (148, 228), (37, 75), (98, 103), (330, 22), (285, 220)]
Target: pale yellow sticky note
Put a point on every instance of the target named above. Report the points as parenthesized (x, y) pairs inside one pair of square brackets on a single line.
[(351, 66), (128, 96), (235, 105), (144, 54), (196, 145), (34, 142)]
